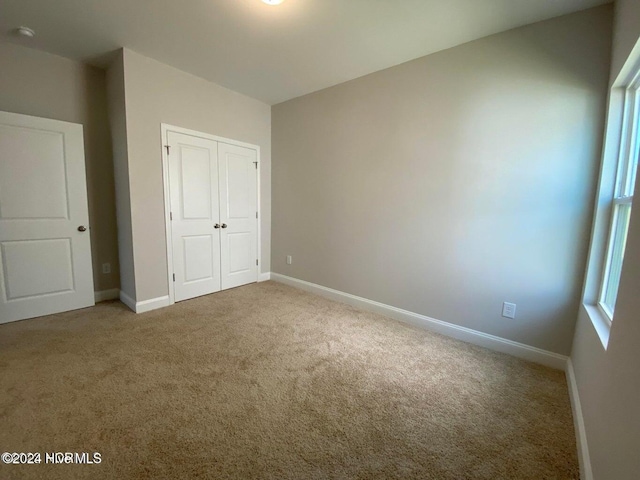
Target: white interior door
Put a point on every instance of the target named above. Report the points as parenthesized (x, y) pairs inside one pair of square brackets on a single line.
[(45, 248), (195, 212), (238, 215)]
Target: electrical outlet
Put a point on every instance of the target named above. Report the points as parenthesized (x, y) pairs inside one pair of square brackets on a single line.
[(106, 268), (289, 260), (509, 310)]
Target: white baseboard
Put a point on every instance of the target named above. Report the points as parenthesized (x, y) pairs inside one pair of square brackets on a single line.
[(104, 295), (127, 300), (152, 304), (475, 337), (263, 277), (578, 421), (145, 305)]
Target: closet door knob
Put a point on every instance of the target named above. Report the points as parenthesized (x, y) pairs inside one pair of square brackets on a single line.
[(224, 225), (82, 228), (217, 225)]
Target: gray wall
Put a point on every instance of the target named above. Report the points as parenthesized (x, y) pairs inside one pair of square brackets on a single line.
[(156, 93), (608, 380), (627, 30), (44, 85), (118, 123), (454, 182)]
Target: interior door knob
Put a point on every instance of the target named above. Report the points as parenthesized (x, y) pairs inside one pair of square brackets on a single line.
[(82, 228), (224, 225), (217, 225)]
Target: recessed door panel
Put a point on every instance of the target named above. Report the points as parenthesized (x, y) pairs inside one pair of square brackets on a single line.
[(240, 251), (45, 247), (195, 182), (37, 267), (198, 258), (33, 183), (239, 197)]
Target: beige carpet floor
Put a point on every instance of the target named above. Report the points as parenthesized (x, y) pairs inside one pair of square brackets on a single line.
[(266, 381)]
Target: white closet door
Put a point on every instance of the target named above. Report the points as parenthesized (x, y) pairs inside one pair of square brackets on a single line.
[(238, 212), (45, 249), (193, 183)]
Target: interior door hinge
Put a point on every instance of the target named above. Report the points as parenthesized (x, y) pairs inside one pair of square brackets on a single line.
[(174, 277), (170, 215), (256, 164), (256, 261), (256, 214), (167, 147)]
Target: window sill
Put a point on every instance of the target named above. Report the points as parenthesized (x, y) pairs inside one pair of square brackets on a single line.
[(600, 323)]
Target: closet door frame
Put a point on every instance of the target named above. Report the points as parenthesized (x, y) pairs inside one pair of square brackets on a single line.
[(164, 130)]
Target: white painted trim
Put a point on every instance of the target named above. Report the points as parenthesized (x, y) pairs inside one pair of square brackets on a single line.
[(194, 133), (104, 295), (145, 305), (600, 322), (259, 207), (475, 337), (127, 300), (153, 304), (264, 277), (165, 128), (578, 421)]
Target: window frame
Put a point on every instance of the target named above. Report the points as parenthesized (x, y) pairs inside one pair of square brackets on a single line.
[(615, 147), (626, 171)]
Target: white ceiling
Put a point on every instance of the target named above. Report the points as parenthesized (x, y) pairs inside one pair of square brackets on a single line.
[(272, 53)]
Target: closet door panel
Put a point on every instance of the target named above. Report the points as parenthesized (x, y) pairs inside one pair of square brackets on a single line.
[(194, 190), (238, 215)]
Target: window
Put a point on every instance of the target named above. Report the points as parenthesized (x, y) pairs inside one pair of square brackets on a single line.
[(629, 150)]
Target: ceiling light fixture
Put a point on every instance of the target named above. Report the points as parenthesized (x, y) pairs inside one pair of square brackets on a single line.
[(25, 32), (273, 2)]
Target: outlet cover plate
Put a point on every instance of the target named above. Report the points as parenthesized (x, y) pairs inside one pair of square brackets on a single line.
[(509, 310)]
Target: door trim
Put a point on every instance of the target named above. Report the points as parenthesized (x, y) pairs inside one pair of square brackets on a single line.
[(165, 128)]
